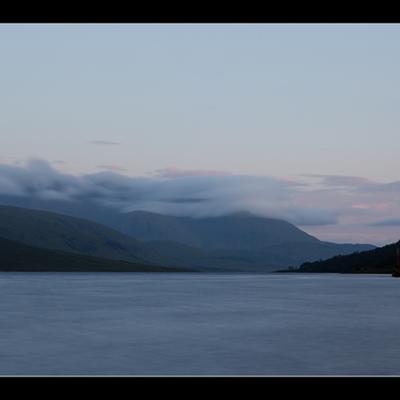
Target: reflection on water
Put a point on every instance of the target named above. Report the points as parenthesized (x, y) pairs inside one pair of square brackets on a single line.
[(198, 324)]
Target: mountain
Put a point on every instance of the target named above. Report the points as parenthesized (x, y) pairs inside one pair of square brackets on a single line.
[(379, 260), (239, 242), (61, 232), (54, 231), (261, 260), (232, 232), (16, 256), (236, 240)]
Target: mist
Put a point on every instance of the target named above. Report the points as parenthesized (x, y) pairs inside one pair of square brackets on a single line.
[(197, 194)]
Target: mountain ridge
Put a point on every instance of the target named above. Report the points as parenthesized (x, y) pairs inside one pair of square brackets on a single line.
[(233, 231), (56, 231), (378, 260), (19, 257), (62, 232)]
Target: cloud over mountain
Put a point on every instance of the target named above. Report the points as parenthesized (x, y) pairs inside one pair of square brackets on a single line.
[(195, 194), (324, 203)]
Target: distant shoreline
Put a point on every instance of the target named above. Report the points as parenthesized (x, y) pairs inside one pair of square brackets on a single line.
[(198, 272), (333, 272)]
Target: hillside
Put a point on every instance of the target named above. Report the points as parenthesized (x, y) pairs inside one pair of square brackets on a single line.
[(261, 260), (379, 260), (231, 232), (61, 232), (238, 242), (15, 256)]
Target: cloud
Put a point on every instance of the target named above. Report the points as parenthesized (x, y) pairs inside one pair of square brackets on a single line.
[(172, 172), (371, 206), (387, 222), (354, 184), (360, 209), (368, 210), (104, 142), (37, 179), (341, 180), (112, 168), (193, 194), (8, 187)]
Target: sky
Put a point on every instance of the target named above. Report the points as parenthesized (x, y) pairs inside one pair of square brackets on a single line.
[(298, 121)]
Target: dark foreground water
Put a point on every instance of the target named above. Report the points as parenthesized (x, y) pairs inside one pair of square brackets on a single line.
[(81, 323)]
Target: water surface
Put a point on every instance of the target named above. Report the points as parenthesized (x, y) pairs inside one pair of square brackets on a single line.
[(198, 324)]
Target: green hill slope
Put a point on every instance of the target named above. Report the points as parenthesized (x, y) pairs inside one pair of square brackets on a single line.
[(61, 232), (379, 260), (15, 256), (232, 243), (236, 241), (231, 232)]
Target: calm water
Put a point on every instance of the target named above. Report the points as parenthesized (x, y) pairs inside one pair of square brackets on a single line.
[(198, 324)]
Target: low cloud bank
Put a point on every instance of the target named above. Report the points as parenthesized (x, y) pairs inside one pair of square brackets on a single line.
[(171, 191), (323, 205)]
